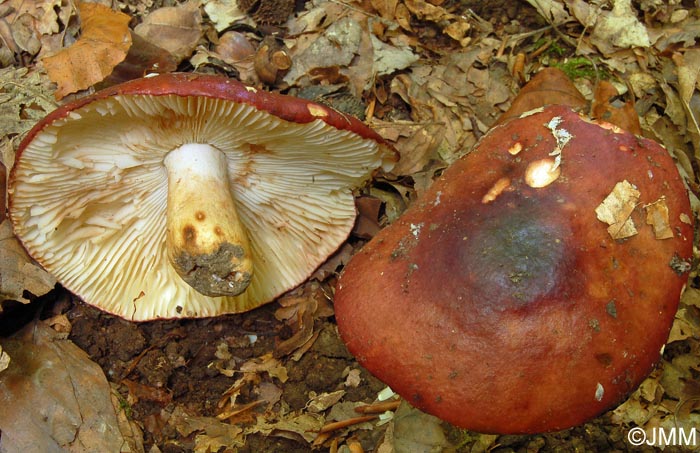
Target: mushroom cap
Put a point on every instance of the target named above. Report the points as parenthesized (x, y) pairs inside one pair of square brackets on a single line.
[(500, 302), (88, 192)]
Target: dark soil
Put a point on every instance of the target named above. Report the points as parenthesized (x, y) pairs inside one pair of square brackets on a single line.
[(171, 364)]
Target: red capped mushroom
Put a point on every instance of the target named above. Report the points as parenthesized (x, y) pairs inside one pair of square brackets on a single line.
[(186, 195), (534, 284)]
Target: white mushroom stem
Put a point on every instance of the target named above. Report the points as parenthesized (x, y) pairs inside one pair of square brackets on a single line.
[(206, 243)]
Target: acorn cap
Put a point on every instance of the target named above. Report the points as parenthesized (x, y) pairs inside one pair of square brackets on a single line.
[(534, 284), (187, 195)]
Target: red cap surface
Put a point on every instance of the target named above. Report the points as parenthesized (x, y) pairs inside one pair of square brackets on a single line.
[(533, 285)]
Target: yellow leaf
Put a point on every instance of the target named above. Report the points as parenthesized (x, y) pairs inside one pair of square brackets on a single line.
[(104, 42)]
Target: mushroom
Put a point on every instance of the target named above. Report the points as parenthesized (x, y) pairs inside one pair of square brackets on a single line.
[(533, 285), (187, 195)]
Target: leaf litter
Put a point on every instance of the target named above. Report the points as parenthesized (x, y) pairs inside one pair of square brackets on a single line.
[(431, 77)]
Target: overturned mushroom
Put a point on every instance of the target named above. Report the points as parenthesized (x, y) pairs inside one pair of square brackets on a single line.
[(187, 195), (501, 301)]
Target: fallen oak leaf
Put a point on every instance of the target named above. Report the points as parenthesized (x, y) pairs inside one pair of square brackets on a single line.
[(54, 398), (103, 44)]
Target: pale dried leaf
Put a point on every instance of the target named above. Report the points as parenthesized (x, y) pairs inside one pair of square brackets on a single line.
[(18, 271), (24, 99), (417, 431), (585, 12), (353, 378), (224, 13), (616, 210), (337, 46), (4, 360), (319, 403), (48, 21), (619, 29), (129, 428), (389, 58)]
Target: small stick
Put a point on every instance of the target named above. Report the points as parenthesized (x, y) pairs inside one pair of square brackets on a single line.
[(378, 408), (345, 423)]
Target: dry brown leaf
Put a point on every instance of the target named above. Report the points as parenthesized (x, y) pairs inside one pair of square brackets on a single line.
[(658, 218), (176, 29), (143, 392), (266, 364), (454, 99), (54, 398), (416, 143), (294, 425), (104, 42), (211, 434), (17, 270), (427, 11), (143, 58), (300, 310), (236, 49), (624, 116), (389, 58), (385, 8), (550, 86), (684, 326)]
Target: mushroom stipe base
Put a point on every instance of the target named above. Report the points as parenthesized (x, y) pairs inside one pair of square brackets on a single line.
[(212, 274)]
